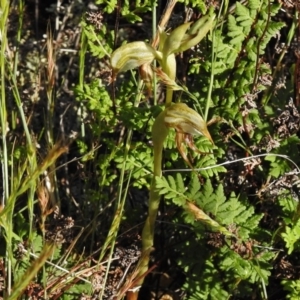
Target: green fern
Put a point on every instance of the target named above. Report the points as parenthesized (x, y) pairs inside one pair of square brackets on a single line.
[(108, 5), (291, 236), (254, 5), (100, 42), (139, 161), (97, 100), (210, 200), (210, 287), (289, 206), (293, 287), (253, 270), (172, 188)]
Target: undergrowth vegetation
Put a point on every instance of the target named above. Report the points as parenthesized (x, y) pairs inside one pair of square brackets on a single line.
[(77, 140)]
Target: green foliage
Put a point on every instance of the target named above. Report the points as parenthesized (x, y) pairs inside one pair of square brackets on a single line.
[(140, 161), (291, 236), (293, 288), (139, 7), (221, 271), (254, 270), (109, 5), (212, 201), (203, 280), (129, 10), (172, 189), (22, 266), (97, 100), (200, 4), (243, 33), (100, 42), (279, 166), (289, 206)]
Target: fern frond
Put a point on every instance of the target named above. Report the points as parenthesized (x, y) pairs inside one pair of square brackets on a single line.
[(171, 189)]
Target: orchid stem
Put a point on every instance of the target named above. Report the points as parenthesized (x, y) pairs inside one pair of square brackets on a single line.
[(159, 134)]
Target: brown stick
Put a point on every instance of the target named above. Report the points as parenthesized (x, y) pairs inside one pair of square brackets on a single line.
[(164, 20)]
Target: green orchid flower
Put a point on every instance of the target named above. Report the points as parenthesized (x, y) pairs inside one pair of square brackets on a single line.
[(135, 54), (186, 121)]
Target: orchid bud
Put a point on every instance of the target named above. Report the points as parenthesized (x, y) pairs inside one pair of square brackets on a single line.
[(132, 55), (182, 38), (197, 32), (186, 120), (173, 42)]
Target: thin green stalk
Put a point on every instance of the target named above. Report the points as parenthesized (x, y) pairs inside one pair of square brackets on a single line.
[(16, 53), (269, 92), (19, 32), (3, 112), (82, 53), (18, 101), (211, 81), (154, 24), (31, 153), (213, 60), (116, 223), (4, 8)]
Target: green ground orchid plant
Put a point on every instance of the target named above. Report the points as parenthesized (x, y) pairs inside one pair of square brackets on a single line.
[(186, 121)]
